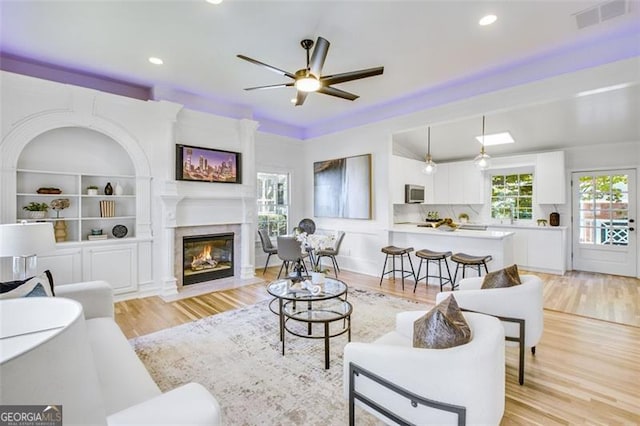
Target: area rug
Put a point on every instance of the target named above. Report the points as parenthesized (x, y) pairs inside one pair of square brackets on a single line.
[(237, 356)]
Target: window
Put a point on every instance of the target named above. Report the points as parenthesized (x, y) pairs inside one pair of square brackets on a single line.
[(511, 196), (273, 202)]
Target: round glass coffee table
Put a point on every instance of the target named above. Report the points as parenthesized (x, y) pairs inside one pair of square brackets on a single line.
[(298, 306)]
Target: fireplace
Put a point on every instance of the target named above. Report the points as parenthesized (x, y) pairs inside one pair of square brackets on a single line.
[(207, 257)]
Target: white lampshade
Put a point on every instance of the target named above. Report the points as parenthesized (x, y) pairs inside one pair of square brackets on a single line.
[(26, 239)]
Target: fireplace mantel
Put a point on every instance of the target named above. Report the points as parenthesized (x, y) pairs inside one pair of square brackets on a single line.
[(197, 214)]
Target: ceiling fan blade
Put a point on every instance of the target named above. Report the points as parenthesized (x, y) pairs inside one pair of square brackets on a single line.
[(300, 97), (353, 75), (271, 86), (319, 55), (269, 67), (338, 93)]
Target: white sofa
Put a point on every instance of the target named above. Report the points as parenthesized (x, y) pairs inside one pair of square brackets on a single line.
[(469, 375), (523, 302), (113, 380)]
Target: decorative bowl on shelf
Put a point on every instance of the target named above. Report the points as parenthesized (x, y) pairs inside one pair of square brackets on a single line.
[(447, 228)]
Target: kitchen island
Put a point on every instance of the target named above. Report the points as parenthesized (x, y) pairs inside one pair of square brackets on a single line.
[(498, 244)]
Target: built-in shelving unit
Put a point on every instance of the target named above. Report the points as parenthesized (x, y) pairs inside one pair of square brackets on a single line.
[(83, 213)]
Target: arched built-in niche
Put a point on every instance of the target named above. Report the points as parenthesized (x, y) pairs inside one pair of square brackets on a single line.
[(76, 149), (72, 143)]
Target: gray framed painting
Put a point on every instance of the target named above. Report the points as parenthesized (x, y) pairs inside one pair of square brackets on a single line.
[(342, 187)]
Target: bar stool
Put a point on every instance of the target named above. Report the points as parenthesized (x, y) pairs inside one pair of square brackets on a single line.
[(434, 256), (394, 251), (469, 260)]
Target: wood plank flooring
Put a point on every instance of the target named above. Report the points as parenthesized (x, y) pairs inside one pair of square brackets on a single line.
[(585, 371)]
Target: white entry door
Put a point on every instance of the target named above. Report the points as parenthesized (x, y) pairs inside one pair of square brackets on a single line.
[(604, 214)]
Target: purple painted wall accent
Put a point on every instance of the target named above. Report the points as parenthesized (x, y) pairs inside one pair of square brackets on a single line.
[(45, 71)]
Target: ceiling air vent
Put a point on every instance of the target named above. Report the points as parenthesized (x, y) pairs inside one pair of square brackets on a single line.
[(601, 12)]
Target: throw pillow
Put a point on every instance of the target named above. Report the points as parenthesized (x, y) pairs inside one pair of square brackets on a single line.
[(507, 277), (38, 286), (442, 327)]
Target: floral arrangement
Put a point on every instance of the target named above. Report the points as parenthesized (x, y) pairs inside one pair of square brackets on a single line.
[(59, 204)]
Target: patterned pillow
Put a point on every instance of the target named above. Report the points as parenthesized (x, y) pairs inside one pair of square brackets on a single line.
[(507, 277), (442, 327), (38, 286)]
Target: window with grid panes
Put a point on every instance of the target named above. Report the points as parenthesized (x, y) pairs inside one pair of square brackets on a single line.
[(273, 202), (511, 196)]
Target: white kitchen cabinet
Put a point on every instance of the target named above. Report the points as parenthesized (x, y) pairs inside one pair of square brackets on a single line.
[(458, 183), (538, 249), (441, 185), (550, 178)]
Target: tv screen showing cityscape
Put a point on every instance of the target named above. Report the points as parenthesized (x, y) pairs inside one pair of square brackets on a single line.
[(207, 165)]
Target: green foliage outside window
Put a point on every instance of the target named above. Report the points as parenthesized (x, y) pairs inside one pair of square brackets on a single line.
[(273, 202), (511, 196), (276, 224)]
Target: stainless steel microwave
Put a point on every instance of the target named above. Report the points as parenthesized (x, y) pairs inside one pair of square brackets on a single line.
[(414, 194)]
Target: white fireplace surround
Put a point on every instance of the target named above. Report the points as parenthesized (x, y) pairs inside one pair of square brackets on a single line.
[(190, 231)]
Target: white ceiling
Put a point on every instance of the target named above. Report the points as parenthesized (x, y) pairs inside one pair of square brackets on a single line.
[(423, 45)]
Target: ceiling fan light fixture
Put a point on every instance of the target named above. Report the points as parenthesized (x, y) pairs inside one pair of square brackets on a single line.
[(430, 167), (482, 160), (307, 84)]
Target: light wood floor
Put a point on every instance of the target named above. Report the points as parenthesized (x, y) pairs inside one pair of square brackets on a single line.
[(586, 370)]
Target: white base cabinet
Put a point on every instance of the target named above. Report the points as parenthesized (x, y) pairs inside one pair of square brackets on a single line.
[(117, 264), (539, 249), (114, 261)]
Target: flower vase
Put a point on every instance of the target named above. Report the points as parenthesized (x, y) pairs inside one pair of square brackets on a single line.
[(119, 190), (60, 231)]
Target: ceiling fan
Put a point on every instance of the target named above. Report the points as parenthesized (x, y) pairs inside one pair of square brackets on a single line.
[(310, 79)]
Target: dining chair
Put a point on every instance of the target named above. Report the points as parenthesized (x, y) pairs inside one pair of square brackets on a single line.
[(332, 252), (267, 246), (290, 251)]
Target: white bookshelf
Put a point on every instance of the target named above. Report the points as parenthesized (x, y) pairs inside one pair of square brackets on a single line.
[(83, 213)]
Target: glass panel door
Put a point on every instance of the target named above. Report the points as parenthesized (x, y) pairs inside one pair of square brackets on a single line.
[(604, 222)]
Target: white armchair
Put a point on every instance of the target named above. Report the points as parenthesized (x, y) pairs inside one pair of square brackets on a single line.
[(399, 383), (519, 307)]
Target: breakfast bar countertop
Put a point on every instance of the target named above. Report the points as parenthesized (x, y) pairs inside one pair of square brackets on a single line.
[(462, 233)]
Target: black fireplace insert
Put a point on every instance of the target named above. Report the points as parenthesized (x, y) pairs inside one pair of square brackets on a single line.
[(207, 257)]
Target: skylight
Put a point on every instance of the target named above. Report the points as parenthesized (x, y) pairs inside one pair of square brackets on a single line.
[(496, 139)]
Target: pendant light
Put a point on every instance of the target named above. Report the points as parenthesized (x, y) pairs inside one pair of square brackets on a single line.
[(429, 167), (483, 159)]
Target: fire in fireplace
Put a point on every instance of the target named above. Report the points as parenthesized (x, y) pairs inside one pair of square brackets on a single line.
[(207, 257)]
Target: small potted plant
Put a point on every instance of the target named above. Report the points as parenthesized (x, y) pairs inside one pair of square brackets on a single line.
[(463, 218), (318, 274), (36, 210), (92, 190)]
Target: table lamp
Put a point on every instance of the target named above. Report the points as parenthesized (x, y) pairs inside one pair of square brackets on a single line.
[(24, 241)]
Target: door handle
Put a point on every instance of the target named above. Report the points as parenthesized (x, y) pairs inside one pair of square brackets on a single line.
[(631, 220), (632, 229)]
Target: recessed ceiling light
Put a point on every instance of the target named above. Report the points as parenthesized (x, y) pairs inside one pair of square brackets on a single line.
[(487, 20), (294, 100), (496, 139), (214, 1), (156, 61)]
